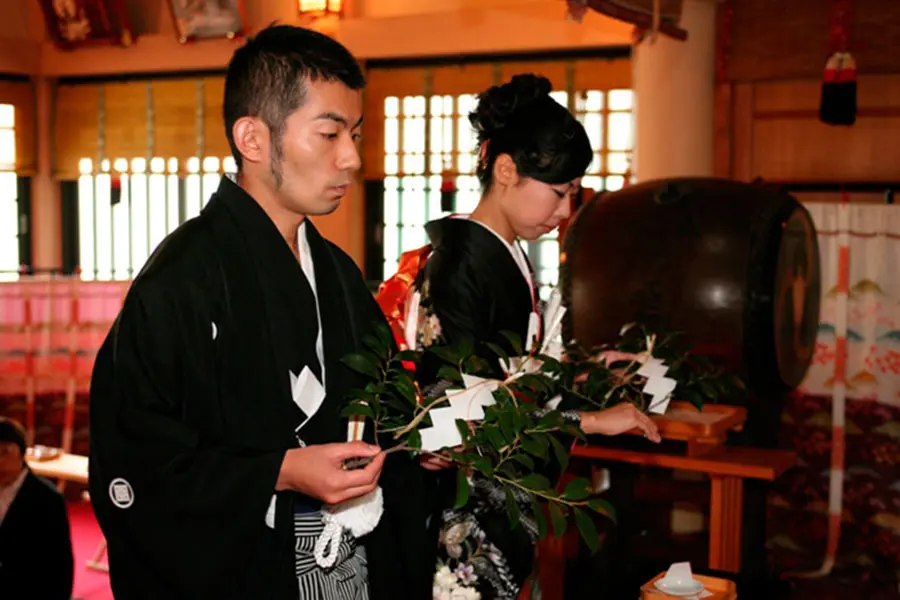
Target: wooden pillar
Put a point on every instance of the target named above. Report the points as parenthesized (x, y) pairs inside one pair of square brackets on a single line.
[(674, 90), (46, 211)]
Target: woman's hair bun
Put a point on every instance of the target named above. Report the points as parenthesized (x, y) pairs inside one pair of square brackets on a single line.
[(499, 104)]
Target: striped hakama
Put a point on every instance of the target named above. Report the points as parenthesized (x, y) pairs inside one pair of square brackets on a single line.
[(347, 579)]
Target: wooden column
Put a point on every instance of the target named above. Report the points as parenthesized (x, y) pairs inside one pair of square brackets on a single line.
[(674, 89), (46, 210)]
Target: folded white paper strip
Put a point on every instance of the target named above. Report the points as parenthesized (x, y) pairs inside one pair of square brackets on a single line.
[(653, 367), (307, 392), (469, 403), (411, 325), (658, 386), (466, 404), (534, 320), (553, 317)]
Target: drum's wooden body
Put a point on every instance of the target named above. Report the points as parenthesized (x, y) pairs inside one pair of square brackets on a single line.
[(733, 266)]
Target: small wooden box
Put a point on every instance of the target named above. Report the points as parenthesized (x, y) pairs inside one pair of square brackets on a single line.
[(721, 589)]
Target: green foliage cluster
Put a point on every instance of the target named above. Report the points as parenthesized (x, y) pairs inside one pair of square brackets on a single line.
[(518, 442)]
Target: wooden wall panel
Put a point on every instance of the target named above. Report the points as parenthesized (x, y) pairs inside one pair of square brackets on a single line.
[(742, 132), (175, 123), (723, 118), (554, 70), (215, 143), (806, 149), (603, 74), (778, 39), (76, 126), (878, 94), (463, 79), (776, 59), (126, 119), (776, 133), (835, 197)]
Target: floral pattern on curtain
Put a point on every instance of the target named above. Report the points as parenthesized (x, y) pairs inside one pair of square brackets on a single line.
[(870, 510)]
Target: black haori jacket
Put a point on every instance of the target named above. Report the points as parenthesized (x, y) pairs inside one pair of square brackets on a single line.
[(192, 412)]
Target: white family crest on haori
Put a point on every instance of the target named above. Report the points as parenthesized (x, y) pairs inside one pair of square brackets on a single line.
[(121, 493)]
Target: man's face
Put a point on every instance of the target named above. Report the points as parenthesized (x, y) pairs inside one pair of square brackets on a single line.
[(319, 149), (11, 462)]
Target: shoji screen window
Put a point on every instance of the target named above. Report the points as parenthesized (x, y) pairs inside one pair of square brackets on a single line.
[(9, 207), (202, 181), (412, 182), (127, 207), (607, 117)]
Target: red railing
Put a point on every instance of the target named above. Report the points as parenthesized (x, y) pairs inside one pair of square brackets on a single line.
[(51, 328)]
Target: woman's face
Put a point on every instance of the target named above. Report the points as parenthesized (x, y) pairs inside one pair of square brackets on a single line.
[(534, 208)]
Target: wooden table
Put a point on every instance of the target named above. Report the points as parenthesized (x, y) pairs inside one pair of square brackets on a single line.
[(727, 468), (68, 467)]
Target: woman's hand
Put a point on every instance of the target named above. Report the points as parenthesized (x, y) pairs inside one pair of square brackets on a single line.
[(430, 462), (609, 357), (436, 462), (613, 356), (619, 419)]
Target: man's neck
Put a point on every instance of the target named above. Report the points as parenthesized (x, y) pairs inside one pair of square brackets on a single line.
[(285, 221), (488, 213)]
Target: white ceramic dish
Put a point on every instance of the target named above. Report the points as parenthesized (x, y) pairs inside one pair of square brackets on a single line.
[(680, 589)]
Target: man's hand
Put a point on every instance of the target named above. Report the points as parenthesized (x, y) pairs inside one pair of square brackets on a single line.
[(318, 471), (619, 419)]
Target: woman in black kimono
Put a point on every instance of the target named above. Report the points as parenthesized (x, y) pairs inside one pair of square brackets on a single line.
[(477, 283)]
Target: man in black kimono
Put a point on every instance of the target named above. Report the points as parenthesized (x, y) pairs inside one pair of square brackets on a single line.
[(210, 463)]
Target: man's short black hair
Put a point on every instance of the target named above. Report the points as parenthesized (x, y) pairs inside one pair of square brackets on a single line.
[(267, 77), (12, 431)]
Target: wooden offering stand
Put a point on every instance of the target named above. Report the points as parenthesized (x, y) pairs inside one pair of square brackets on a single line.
[(695, 441), (701, 431), (721, 589)]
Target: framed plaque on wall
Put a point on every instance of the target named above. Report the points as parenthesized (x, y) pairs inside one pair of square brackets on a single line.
[(195, 19), (75, 23)]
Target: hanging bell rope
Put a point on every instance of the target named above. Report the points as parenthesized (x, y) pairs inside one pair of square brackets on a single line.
[(838, 103)]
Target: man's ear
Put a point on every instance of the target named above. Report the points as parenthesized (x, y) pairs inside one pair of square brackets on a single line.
[(251, 137)]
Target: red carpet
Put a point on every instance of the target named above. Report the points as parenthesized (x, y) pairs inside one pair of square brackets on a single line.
[(86, 538), (94, 585)]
